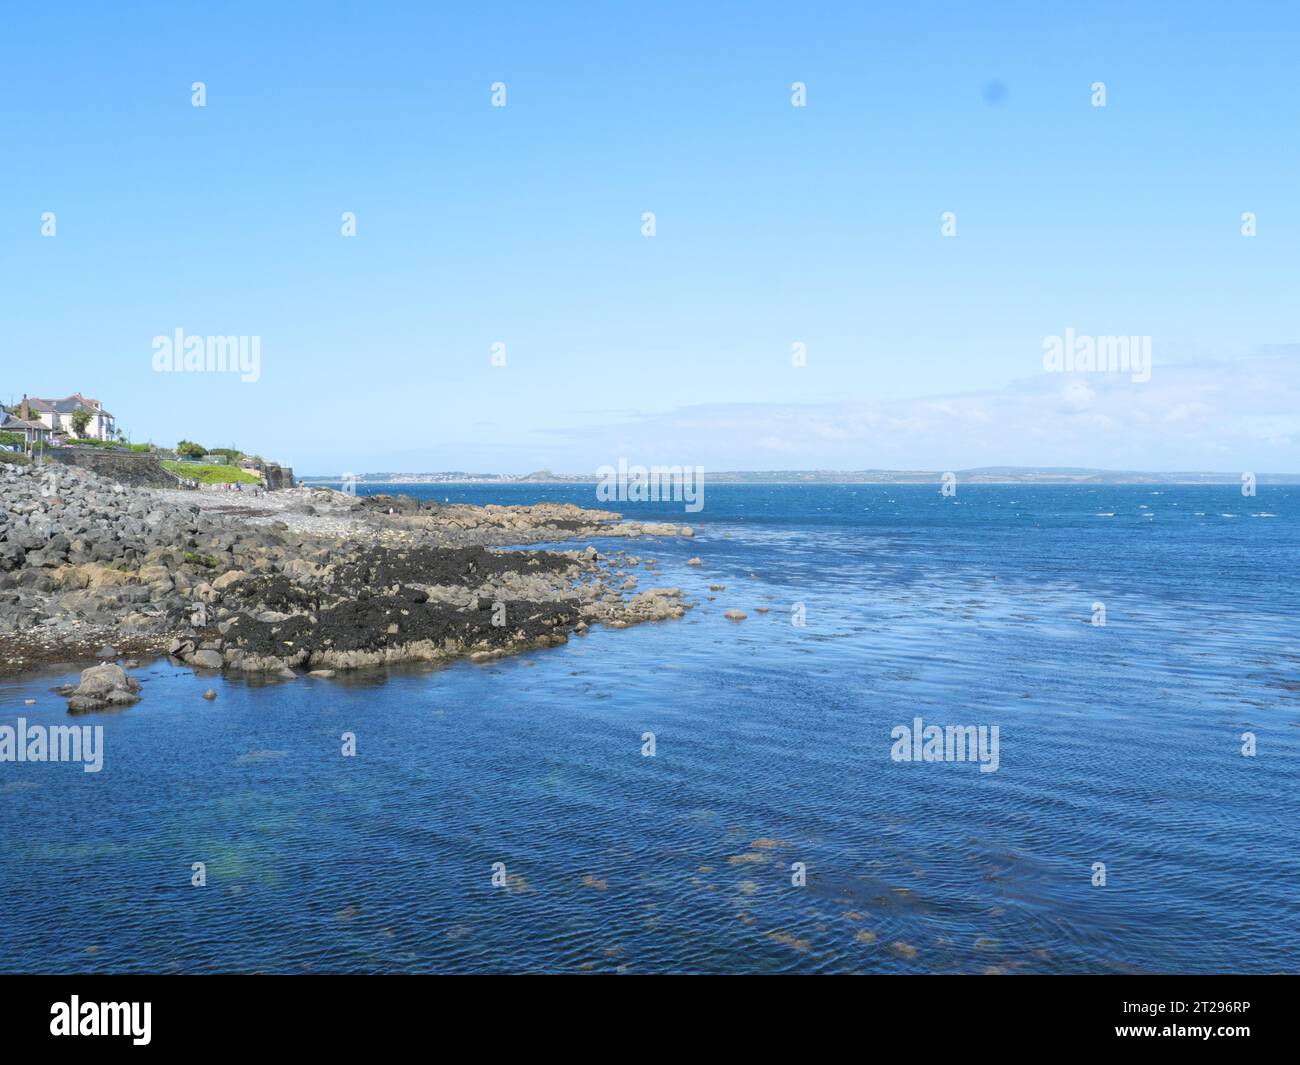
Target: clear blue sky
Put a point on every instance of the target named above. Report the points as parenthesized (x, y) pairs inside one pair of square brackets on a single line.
[(775, 224)]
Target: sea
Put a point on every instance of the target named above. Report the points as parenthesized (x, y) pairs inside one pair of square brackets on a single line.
[(710, 795)]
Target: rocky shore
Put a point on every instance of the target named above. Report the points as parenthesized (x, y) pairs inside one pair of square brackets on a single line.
[(300, 581)]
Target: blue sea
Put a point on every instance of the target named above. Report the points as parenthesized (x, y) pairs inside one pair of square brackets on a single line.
[(507, 818)]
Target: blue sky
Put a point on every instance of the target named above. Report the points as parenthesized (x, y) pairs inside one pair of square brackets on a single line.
[(775, 225)]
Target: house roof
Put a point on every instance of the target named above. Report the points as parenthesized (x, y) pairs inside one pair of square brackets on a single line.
[(12, 423), (68, 404)]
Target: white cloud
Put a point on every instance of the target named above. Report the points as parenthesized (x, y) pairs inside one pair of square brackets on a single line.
[(1225, 414)]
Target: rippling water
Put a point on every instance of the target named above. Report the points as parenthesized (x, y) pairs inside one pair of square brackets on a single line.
[(1118, 744)]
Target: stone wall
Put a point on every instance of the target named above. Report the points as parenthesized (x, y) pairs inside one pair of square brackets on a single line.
[(129, 467), (278, 476)]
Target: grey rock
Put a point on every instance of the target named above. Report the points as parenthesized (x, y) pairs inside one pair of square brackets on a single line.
[(103, 686)]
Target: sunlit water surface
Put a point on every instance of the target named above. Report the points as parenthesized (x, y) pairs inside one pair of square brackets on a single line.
[(1118, 744)]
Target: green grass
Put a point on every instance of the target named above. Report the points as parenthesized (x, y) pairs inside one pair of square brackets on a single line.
[(192, 471), (109, 444)]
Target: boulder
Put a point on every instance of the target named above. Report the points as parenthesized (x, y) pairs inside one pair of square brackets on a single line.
[(103, 686), (154, 574), (180, 647), (227, 579), (300, 569)]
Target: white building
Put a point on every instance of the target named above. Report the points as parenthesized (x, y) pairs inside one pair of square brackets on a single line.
[(56, 414)]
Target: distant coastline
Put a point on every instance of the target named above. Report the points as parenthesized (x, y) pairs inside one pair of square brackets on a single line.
[(1059, 475)]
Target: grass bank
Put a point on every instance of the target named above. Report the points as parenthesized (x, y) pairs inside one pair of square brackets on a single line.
[(193, 471)]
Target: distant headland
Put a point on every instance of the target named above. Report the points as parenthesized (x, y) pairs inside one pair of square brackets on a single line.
[(1050, 475)]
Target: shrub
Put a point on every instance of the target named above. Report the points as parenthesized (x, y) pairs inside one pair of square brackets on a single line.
[(232, 454), (113, 445)]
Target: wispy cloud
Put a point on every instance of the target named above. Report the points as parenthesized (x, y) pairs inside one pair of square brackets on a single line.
[(1228, 414)]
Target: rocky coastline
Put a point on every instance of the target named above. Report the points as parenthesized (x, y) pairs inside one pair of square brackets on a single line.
[(300, 581)]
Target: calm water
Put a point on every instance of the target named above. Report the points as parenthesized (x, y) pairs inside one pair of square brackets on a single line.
[(1118, 744)]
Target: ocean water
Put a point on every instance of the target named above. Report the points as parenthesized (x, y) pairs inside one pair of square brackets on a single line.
[(1118, 744)]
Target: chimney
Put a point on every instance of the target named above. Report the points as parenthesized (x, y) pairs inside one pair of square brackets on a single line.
[(23, 412)]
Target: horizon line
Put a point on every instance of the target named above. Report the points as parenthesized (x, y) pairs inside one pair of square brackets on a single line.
[(988, 472)]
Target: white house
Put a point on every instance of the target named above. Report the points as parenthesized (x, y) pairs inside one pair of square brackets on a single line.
[(56, 414)]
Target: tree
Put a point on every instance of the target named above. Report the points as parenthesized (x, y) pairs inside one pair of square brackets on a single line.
[(232, 453), (80, 419), (188, 449), (12, 439)]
